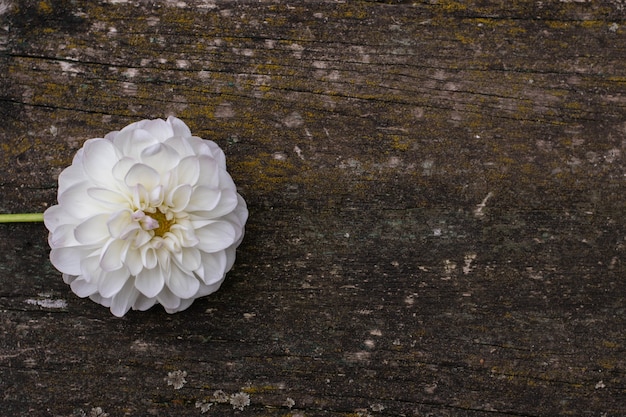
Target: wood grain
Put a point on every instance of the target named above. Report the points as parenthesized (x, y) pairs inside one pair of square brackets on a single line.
[(436, 191)]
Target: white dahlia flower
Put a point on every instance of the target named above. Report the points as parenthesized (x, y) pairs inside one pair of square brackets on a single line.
[(146, 215)]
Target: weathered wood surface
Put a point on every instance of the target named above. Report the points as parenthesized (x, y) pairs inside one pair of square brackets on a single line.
[(436, 192)]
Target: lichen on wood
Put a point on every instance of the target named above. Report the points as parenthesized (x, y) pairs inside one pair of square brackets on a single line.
[(436, 199)]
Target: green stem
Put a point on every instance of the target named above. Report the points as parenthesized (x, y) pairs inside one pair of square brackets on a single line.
[(21, 217)]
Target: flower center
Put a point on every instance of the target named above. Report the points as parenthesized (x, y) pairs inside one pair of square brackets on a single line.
[(163, 221)]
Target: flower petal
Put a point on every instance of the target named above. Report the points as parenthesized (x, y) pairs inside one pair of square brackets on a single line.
[(150, 282), (97, 298), (217, 153), (108, 196), (67, 260), (111, 282), (111, 135), (121, 223), (140, 238), (63, 236), (68, 279), (90, 268), (72, 175), (93, 230), (182, 145), (235, 218), (203, 199), (158, 128), (182, 305), (226, 203), (124, 299), (141, 174), (241, 212), (82, 288), (75, 202), (140, 196), (189, 259), (54, 216), (216, 236), (142, 303), (132, 142), (167, 299), (209, 148), (181, 236), (209, 171), (213, 267), (188, 170), (225, 180), (121, 168), (181, 284), (208, 289), (132, 261), (149, 257), (156, 196), (179, 127), (163, 256), (98, 160), (230, 253), (112, 255), (179, 198), (160, 157)]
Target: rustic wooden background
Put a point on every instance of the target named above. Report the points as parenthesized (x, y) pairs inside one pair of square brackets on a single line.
[(436, 192)]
